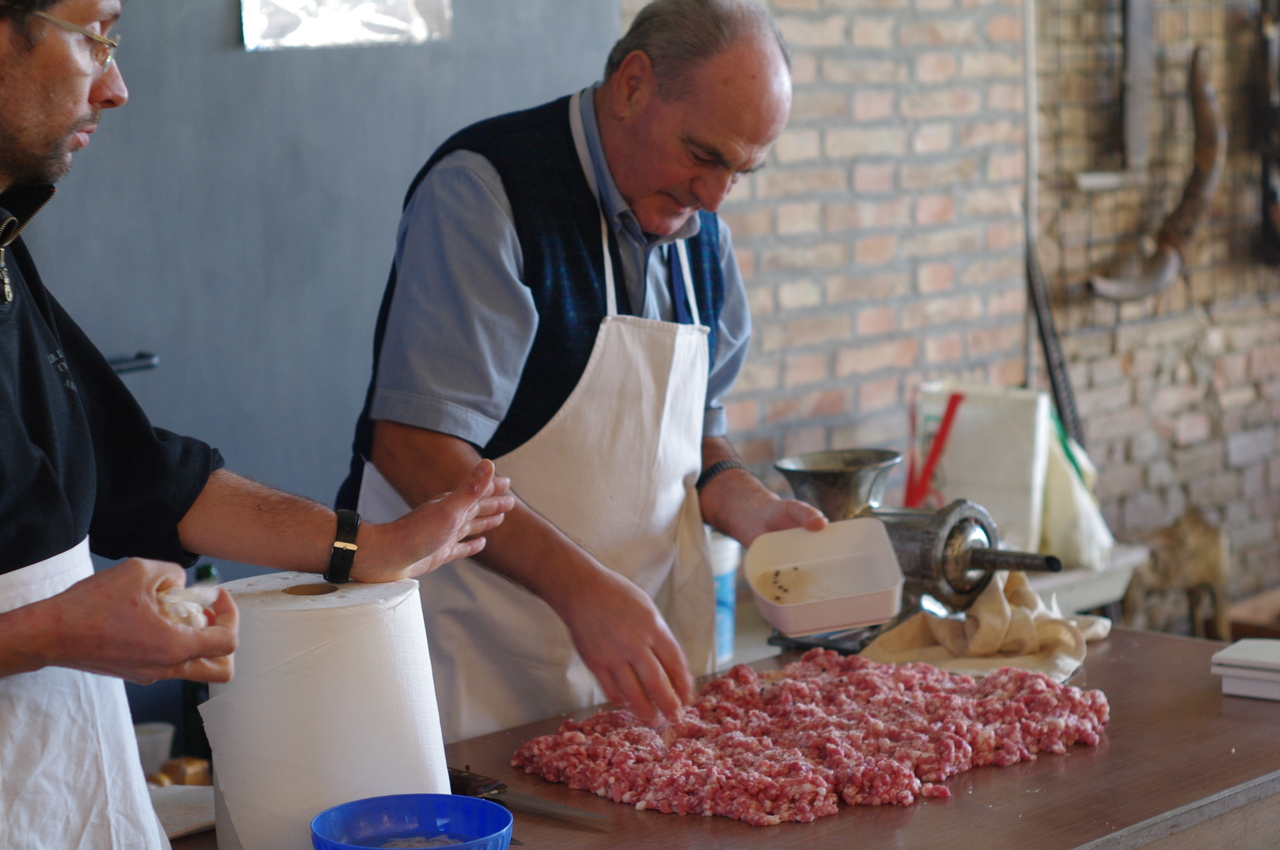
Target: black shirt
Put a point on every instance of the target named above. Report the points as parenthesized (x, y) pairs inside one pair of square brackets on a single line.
[(77, 454)]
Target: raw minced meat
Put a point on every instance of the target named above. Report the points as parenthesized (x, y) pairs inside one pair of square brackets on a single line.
[(788, 745)]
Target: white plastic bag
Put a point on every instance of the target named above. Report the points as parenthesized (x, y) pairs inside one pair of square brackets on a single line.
[(1073, 528)]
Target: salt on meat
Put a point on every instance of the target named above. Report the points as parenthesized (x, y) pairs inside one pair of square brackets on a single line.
[(788, 745)]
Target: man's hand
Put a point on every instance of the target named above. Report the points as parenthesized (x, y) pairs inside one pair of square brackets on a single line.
[(112, 623), (436, 532), (738, 503), (615, 627), (626, 644)]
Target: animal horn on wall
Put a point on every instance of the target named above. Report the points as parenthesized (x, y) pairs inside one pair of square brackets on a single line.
[(1160, 270)]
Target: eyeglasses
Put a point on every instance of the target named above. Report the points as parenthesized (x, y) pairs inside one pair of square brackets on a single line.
[(103, 49)]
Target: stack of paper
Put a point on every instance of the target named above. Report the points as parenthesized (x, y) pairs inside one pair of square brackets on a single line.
[(1249, 668)]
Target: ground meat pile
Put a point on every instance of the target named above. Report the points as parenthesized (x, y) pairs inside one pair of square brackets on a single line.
[(788, 745)]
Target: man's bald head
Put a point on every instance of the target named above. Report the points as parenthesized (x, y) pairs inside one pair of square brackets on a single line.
[(680, 35)]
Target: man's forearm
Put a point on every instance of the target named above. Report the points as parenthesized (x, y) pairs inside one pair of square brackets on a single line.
[(422, 464)]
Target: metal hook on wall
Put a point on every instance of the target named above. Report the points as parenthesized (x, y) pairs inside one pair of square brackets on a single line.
[(1158, 272)]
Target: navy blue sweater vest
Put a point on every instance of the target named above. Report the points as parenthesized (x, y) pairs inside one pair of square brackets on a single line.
[(557, 221)]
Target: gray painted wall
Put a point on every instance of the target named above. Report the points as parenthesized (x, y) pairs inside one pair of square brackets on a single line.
[(238, 215)]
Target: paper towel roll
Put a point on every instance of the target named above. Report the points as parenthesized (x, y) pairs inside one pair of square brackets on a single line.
[(332, 701)]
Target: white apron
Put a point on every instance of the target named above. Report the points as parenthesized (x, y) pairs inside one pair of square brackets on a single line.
[(70, 775), (614, 470)]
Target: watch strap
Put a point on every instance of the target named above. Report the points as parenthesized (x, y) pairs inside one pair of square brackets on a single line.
[(715, 469), (344, 547)]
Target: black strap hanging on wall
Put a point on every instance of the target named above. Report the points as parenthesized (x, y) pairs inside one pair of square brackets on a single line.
[(1059, 383)]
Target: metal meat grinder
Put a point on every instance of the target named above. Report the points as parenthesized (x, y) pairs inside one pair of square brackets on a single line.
[(948, 555)]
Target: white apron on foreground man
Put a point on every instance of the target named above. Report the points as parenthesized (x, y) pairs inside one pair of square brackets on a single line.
[(565, 301), (82, 468)]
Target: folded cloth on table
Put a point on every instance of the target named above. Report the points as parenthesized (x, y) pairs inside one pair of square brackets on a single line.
[(1008, 625)]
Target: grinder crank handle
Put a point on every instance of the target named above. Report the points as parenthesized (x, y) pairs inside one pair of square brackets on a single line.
[(999, 559)]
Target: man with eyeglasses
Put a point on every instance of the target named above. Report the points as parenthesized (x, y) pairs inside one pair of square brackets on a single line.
[(81, 467)]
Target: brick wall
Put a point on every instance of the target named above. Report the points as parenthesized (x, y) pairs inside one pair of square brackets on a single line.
[(882, 247), (882, 243), (1179, 393)]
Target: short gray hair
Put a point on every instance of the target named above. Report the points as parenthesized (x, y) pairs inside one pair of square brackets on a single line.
[(678, 35)]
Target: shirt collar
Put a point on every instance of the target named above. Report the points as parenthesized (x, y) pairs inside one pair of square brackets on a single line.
[(611, 200), (18, 204)]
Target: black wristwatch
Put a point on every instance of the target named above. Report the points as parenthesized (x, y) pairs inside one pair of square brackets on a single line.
[(344, 547), (715, 469)]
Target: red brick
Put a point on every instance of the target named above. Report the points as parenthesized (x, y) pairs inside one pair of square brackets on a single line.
[(1103, 399), (1008, 302), (789, 182), (876, 250), (1175, 399), (800, 217), (932, 138), (873, 32), (757, 451), (873, 104), (990, 271), (876, 357), (804, 70), (947, 348), (817, 330), (757, 374), (843, 142), (876, 321), (934, 175), (874, 178), (933, 68), (983, 342), (1006, 166), (811, 104), (933, 312), (1005, 28), (798, 145), (806, 257), (985, 201), (760, 299), (1004, 234), (1116, 425), (932, 278), (801, 440), (742, 415), (747, 221), (983, 133), (938, 31), (935, 209), (1193, 427), (1005, 97), (1230, 370), (990, 65), (867, 287), (1264, 362), (808, 406), (878, 395), (940, 104), (807, 32), (798, 294), (862, 214), (861, 71), (937, 242), (805, 369)]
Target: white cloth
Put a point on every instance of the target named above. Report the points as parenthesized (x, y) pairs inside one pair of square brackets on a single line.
[(1008, 625), (70, 775), (614, 470)]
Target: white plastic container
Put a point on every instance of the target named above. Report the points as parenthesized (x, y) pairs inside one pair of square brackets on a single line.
[(843, 577)]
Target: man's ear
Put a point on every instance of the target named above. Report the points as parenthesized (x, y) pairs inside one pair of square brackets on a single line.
[(633, 83)]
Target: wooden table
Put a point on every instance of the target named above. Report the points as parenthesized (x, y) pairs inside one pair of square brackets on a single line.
[(1180, 766)]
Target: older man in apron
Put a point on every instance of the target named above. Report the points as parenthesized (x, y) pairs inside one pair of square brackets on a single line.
[(572, 250)]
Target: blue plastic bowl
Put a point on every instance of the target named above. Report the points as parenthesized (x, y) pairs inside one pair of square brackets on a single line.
[(477, 824)]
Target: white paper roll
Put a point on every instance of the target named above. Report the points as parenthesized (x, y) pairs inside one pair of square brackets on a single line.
[(332, 700)]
